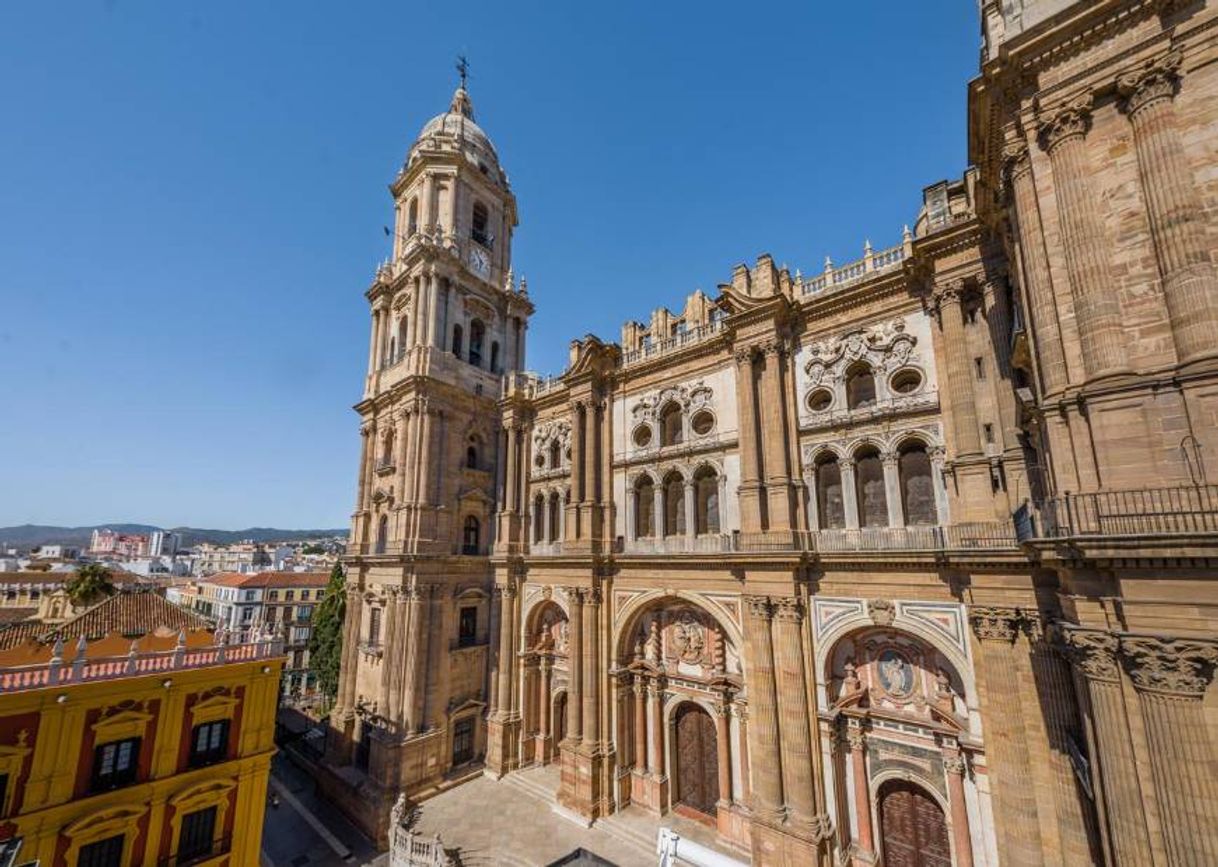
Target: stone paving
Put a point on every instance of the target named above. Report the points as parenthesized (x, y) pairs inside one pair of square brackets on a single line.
[(511, 822)]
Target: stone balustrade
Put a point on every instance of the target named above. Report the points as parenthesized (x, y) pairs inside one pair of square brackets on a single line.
[(844, 275), (654, 348), (57, 672)]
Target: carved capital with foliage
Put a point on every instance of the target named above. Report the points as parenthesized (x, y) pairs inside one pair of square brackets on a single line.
[(1177, 667)]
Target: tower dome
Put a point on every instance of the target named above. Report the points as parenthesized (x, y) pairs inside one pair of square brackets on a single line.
[(456, 128)]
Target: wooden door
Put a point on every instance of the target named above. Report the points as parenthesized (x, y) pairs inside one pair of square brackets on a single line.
[(697, 760), (913, 831)]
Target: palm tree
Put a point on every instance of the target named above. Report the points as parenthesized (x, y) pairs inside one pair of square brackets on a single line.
[(91, 581)]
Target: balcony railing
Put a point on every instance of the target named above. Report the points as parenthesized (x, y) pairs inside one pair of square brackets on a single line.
[(983, 535), (668, 344), (850, 273), (216, 849), (715, 543), (1180, 511), (57, 672)]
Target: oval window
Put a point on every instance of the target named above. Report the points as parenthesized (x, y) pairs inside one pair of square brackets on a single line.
[(906, 381), (703, 423), (642, 436), (820, 400)]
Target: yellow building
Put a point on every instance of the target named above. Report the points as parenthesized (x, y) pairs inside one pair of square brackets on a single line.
[(133, 734)]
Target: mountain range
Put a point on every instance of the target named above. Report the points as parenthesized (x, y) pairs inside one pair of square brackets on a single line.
[(29, 535)]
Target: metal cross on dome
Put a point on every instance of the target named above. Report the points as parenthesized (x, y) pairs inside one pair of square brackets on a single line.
[(462, 69)]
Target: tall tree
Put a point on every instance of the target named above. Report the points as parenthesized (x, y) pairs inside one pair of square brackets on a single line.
[(326, 640), (89, 584)]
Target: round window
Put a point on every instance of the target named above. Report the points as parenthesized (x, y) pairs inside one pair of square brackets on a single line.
[(906, 381), (703, 423), (820, 400), (642, 436)]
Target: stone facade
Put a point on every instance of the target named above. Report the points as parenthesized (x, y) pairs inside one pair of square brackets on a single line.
[(908, 561)]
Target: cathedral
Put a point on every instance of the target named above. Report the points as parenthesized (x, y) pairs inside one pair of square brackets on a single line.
[(909, 560)]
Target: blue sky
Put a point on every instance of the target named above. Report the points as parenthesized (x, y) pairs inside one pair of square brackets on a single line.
[(192, 196)]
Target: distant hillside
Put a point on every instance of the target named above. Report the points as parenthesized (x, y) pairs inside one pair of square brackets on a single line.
[(29, 535)]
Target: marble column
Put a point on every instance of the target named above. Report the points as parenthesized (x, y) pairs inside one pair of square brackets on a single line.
[(1093, 654), (350, 662), (640, 725), (591, 663), (850, 496), (512, 500), (659, 518), (862, 789), (395, 639), (1171, 678), (655, 729), (1063, 135), (779, 500), (962, 841), (591, 494), (937, 457), (794, 724), (892, 489), (812, 497), (723, 754), (546, 669), (1015, 807), (577, 473), (966, 438), (750, 492), (361, 498), (763, 710), (691, 516), (506, 594), (1173, 206), (575, 666)]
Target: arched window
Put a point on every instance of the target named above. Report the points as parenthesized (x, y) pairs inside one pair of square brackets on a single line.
[(830, 506), (674, 505), (644, 508), (457, 335), (471, 457), (403, 333), (382, 534), (860, 386), (539, 518), (671, 432), (706, 499), (494, 356), (478, 228), (917, 488), (869, 481), (469, 536), (477, 334), (555, 455), (412, 217), (555, 516), (387, 450)]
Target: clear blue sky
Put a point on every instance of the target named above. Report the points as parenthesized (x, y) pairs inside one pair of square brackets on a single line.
[(192, 195)]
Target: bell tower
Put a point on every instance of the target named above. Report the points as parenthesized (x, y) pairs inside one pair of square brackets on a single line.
[(448, 323)]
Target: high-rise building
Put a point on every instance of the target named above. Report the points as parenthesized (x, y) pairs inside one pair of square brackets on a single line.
[(910, 560)]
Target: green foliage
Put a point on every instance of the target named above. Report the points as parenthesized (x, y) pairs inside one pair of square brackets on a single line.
[(326, 641), (89, 584)]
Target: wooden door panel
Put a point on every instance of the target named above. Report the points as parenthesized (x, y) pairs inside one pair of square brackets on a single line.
[(913, 830), (697, 760)]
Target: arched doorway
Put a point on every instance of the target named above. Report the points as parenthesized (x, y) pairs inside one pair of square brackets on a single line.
[(913, 830), (696, 759)]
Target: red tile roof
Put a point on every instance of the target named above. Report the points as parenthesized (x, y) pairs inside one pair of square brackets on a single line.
[(268, 579), (132, 614)]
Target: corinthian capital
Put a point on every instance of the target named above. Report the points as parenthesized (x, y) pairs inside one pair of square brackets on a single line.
[(1015, 160), (1092, 651), (1176, 667), (1152, 81), (759, 606), (788, 608), (1068, 121), (995, 624)]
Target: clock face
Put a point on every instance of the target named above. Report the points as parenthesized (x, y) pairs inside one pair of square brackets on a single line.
[(480, 262)]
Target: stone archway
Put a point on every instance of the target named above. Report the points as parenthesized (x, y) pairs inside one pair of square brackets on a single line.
[(695, 760), (913, 829), (546, 669)]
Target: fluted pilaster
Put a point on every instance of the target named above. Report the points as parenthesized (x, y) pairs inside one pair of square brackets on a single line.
[(959, 375), (763, 712), (792, 688)]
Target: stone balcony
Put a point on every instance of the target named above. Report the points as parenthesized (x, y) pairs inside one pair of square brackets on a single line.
[(842, 276), (1187, 510), (666, 345)]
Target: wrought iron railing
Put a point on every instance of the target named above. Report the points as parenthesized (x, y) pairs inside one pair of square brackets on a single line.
[(1178, 511)]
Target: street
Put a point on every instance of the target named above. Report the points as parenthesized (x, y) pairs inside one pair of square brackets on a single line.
[(303, 831)]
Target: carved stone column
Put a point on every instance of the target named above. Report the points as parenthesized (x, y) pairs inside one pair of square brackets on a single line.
[(506, 594), (640, 725), (1173, 207), (691, 516), (361, 498), (414, 690), (966, 439), (1093, 654), (513, 470), (658, 517), (590, 456), (796, 741), (862, 790), (1010, 768), (1098, 309), (723, 754), (1171, 677), (962, 841), (937, 457), (655, 730), (850, 494), (780, 501), (591, 663), (575, 657), (1037, 279), (543, 748), (571, 510), (350, 652), (763, 710), (750, 491), (892, 489)]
